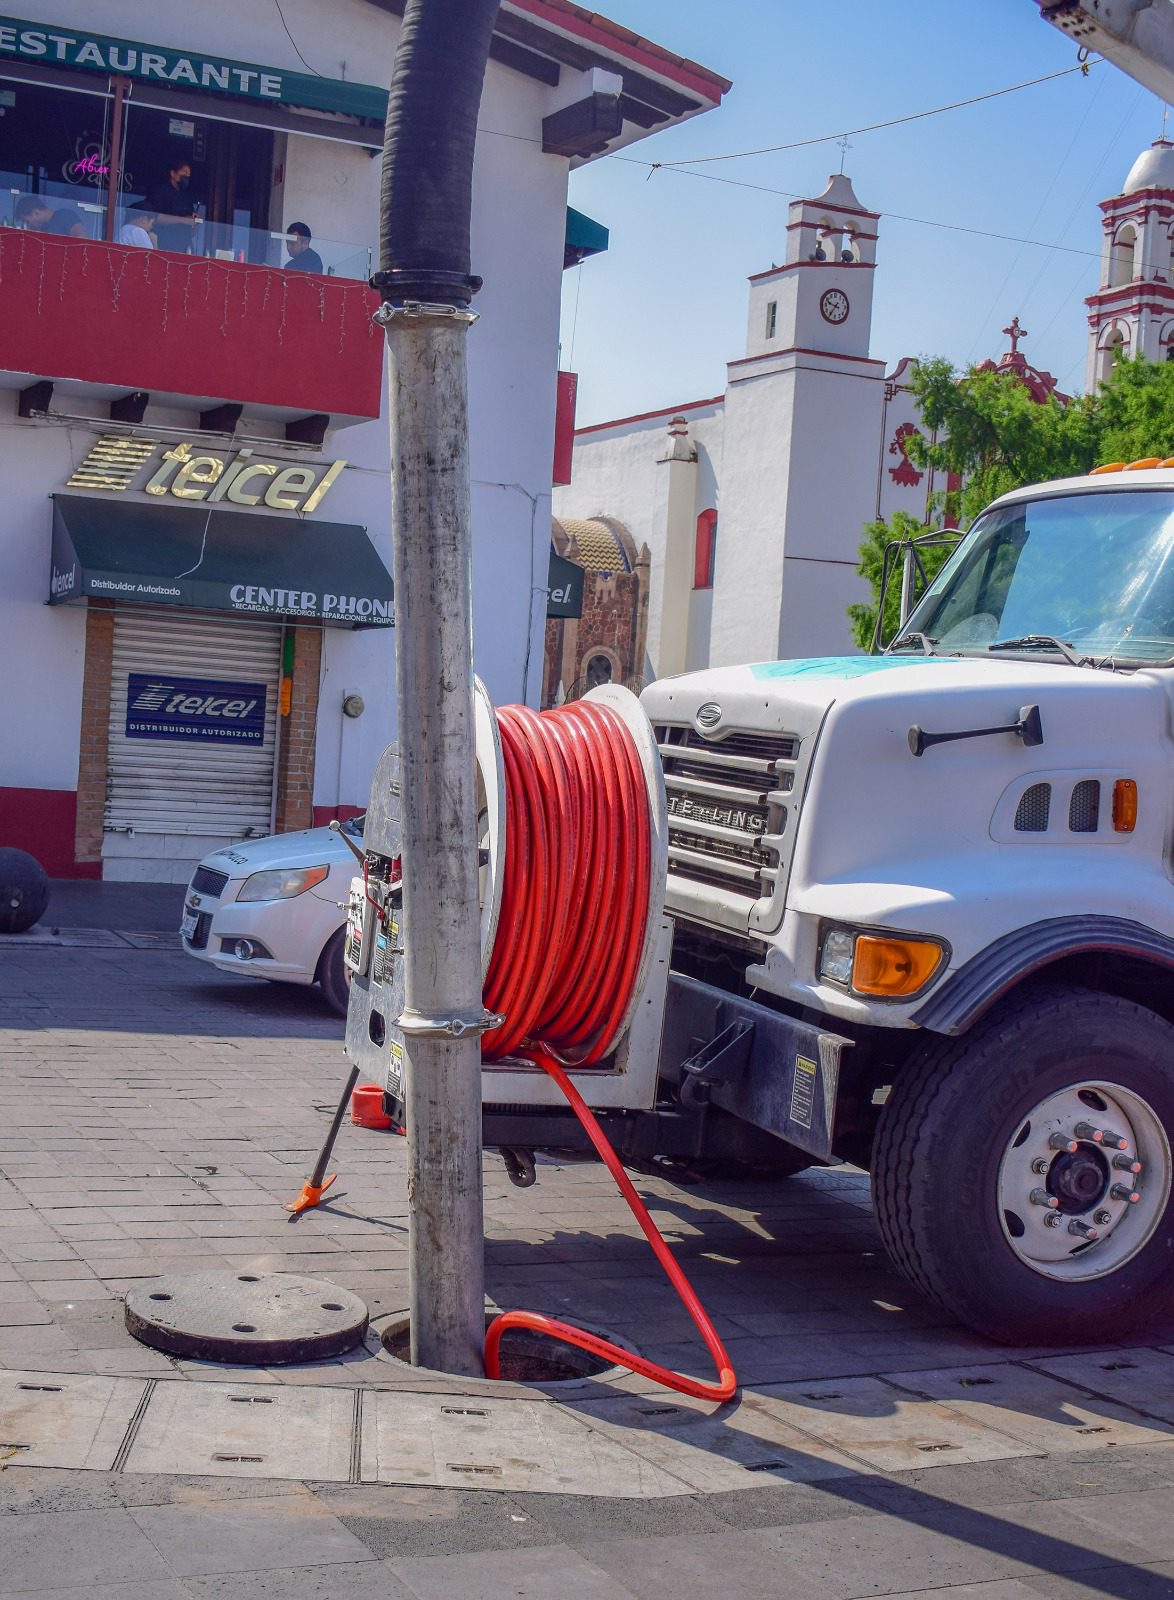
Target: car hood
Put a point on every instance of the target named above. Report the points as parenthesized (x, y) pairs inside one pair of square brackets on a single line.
[(311, 847)]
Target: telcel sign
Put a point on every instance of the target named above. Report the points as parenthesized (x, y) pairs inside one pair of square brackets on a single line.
[(191, 473)]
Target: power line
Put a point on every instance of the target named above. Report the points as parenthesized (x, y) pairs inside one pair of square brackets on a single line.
[(889, 216), (294, 42), (874, 127)]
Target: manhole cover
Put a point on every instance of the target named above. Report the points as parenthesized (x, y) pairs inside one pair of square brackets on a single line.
[(258, 1318)]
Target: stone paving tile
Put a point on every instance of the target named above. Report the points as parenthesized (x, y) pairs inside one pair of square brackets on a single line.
[(78, 1549), (1042, 1411), (359, 1580), (551, 1572), (740, 1567), (248, 1535)]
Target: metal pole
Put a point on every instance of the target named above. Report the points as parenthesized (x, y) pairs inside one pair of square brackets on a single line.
[(443, 1015), (907, 574)]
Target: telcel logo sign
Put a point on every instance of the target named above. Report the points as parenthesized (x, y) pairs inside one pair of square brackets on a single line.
[(156, 698), (114, 463), (184, 709), (62, 582)]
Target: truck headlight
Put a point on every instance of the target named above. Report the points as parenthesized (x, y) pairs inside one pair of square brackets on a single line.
[(282, 884), (888, 966)]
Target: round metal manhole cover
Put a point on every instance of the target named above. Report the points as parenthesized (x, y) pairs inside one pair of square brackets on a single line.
[(257, 1318)]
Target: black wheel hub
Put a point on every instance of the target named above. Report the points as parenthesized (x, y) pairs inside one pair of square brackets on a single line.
[(1079, 1179)]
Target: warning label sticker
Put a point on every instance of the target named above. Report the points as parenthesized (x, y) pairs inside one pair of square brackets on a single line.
[(803, 1091), (395, 1068)]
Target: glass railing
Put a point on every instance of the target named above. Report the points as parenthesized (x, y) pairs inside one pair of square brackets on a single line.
[(80, 212)]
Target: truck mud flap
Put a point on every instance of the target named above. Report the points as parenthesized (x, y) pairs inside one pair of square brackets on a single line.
[(777, 1073)]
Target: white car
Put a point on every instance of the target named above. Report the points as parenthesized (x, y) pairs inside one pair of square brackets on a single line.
[(276, 908)]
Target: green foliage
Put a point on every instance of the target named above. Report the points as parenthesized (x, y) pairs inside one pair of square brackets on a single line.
[(1135, 411), (872, 556), (986, 428)]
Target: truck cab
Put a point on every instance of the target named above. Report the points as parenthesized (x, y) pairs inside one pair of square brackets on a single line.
[(934, 888)]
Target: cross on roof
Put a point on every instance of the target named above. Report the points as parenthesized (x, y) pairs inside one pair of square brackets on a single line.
[(1015, 333)]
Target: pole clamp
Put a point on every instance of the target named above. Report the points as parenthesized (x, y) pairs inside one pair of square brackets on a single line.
[(421, 311), (418, 1026)]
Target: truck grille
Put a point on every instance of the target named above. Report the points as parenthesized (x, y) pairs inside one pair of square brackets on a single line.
[(727, 806)]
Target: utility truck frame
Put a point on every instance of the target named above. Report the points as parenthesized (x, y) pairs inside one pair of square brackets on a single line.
[(920, 917)]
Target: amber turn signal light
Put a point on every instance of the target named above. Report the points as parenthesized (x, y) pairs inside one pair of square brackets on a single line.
[(893, 966), (1124, 805)]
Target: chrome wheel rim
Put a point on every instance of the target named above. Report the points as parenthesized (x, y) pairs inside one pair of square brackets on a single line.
[(1084, 1181)]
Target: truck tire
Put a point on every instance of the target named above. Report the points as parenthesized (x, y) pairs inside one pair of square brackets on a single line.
[(334, 976), (970, 1163)]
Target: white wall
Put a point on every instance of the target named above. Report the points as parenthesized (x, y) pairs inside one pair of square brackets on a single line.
[(42, 648)]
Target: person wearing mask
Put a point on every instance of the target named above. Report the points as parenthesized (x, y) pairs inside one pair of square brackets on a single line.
[(68, 223), (32, 212), (301, 257), (175, 214), (138, 229)]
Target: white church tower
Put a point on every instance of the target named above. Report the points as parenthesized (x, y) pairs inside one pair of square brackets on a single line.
[(1132, 312), (802, 437)]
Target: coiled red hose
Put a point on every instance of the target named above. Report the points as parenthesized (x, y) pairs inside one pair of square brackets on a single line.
[(578, 864)]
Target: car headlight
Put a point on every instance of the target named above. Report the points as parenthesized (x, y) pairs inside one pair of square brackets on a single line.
[(282, 884), (888, 966)]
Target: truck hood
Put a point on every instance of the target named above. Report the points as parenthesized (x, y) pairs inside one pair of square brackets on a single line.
[(746, 695)]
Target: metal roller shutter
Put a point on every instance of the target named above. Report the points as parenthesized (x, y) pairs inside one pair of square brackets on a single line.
[(201, 788)]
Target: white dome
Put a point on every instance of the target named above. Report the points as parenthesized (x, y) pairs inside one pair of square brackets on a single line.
[(1153, 169)]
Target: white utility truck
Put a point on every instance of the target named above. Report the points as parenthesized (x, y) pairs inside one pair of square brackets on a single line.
[(921, 911)]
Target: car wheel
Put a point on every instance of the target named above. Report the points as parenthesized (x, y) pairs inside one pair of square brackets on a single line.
[(334, 976), (1023, 1176)]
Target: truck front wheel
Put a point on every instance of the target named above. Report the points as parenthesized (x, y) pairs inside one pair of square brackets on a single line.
[(1022, 1174)]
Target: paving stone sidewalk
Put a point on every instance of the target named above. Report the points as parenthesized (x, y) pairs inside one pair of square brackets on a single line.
[(154, 1117)]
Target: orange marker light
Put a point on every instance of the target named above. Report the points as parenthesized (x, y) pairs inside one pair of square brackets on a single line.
[(893, 966), (1124, 805), (1110, 466), (1146, 461)]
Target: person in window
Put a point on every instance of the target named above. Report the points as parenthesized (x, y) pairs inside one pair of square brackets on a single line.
[(301, 257), (32, 212), (176, 215), (68, 223), (138, 229)]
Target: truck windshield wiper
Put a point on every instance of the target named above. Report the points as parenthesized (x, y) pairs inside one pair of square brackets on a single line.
[(1042, 641), (921, 639)]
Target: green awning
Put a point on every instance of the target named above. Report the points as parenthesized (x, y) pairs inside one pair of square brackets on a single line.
[(584, 238), (217, 560)]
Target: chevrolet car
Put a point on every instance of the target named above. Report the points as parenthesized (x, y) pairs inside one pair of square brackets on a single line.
[(276, 908)]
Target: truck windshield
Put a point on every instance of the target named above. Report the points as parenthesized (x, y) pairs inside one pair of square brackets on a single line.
[(1095, 571)]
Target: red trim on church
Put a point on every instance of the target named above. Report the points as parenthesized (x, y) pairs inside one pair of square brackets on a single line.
[(805, 350), (648, 416)]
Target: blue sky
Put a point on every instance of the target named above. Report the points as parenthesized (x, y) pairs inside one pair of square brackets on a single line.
[(654, 321)]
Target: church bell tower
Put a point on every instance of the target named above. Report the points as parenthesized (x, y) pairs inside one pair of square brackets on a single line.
[(801, 441), (1132, 312)]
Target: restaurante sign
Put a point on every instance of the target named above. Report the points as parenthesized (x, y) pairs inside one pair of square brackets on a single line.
[(186, 69)]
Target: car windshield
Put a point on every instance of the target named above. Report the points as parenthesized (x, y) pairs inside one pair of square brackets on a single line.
[(1092, 571)]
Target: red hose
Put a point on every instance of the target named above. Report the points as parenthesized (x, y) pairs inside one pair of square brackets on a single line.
[(578, 864)]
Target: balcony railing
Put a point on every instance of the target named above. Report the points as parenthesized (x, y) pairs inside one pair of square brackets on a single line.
[(83, 207), (219, 331)]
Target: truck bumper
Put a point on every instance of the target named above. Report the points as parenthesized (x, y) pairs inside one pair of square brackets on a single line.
[(768, 1069)]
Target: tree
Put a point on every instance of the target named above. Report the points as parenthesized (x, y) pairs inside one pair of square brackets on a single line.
[(1135, 411), (986, 428)]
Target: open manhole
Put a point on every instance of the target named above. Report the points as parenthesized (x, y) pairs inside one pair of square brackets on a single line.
[(526, 1356)]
